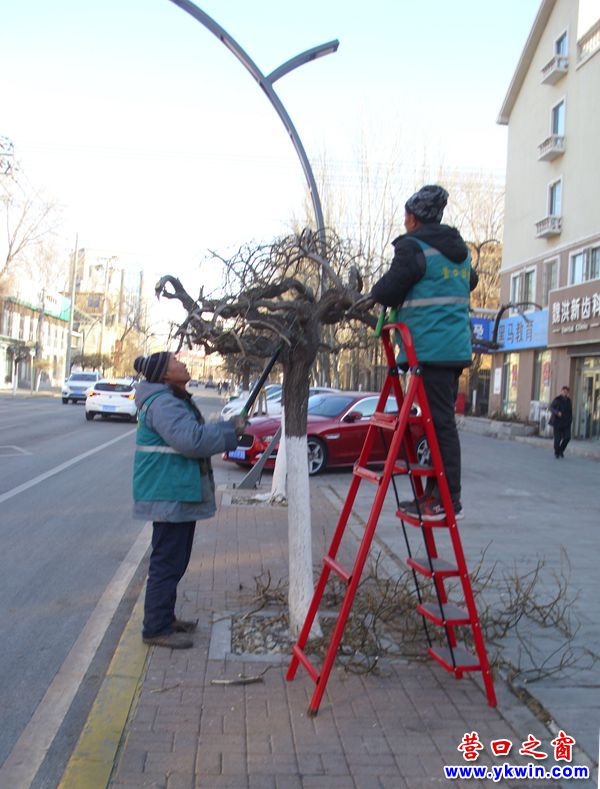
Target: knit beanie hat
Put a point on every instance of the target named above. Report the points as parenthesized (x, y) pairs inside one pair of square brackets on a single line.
[(153, 367), (427, 205)]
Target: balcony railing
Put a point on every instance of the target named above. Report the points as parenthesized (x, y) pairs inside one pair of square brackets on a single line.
[(589, 43), (548, 227), (555, 69), (551, 148)]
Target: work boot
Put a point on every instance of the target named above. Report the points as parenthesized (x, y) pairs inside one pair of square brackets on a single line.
[(171, 640), (184, 625)]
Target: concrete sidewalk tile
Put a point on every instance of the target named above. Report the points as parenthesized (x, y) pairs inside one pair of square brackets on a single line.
[(331, 782), (209, 761), (222, 782), (285, 782), (180, 780), (183, 761)]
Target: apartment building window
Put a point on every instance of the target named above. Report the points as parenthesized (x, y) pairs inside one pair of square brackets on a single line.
[(558, 119), (555, 198), (595, 263), (5, 320), (585, 265), (550, 279), (561, 44), (522, 287)]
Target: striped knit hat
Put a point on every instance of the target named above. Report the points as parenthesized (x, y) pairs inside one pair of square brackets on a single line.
[(153, 367)]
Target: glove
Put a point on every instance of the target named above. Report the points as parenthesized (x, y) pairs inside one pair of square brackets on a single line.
[(239, 422)]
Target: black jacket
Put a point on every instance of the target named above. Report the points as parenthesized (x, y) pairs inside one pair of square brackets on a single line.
[(408, 264), (563, 405)]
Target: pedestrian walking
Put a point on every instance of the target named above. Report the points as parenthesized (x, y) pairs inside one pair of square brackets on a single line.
[(561, 419), (173, 485), (429, 282)]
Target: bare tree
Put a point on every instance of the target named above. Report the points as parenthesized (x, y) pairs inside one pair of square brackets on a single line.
[(29, 221), (282, 293)]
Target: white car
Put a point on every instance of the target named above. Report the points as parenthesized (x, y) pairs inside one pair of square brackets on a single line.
[(236, 404), (111, 397), (76, 385)]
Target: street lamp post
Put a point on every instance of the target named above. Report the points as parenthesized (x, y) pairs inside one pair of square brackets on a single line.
[(266, 82)]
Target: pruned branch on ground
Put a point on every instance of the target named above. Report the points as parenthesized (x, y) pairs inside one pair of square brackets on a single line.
[(518, 611)]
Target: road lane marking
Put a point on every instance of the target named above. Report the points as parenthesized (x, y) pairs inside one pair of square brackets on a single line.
[(13, 449), (31, 748), (57, 469)]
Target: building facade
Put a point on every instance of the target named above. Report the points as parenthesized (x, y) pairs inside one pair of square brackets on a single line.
[(33, 341), (551, 255)]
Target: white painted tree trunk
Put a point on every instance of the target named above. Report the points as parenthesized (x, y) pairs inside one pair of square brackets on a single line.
[(279, 483), (299, 534)]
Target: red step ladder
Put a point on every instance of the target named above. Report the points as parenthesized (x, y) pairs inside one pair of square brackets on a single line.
[(445, 614)]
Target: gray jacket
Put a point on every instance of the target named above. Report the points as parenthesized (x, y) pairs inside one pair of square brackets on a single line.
[(169, 416)]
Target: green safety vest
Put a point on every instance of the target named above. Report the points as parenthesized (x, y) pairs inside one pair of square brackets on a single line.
[(160, 473), (436, 310)]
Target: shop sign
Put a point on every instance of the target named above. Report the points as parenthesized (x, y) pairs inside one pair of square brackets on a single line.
[(482, 328), (519, 332), (574, 314)]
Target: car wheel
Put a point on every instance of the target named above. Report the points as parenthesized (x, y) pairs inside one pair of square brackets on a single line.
[(89, 415), (65, 401), (317, 455), (423, 453), (133, 418)]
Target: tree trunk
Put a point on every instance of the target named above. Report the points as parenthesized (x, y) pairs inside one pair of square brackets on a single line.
[(295, 400), (279, 484)]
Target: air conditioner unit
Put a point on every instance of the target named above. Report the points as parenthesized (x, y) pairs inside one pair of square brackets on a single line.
[(545, 429)]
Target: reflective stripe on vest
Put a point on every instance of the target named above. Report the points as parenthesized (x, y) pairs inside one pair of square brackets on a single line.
[(156, 448), (435, 300)]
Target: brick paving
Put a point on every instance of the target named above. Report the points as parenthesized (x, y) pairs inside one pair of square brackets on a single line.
[(388, 730)]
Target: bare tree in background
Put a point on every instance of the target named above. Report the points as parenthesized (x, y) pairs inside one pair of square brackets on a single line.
[(282, 293), (28, 225), (476, 207)]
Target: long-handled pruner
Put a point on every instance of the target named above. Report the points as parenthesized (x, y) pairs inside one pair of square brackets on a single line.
[(260, 383), (383, 319)]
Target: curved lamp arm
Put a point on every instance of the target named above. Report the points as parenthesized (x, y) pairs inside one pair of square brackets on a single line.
[(266, 83)]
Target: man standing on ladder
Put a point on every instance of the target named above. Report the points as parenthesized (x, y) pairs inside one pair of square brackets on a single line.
[(429, 282)]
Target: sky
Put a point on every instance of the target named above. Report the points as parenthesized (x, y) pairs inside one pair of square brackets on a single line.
[(159, 146)]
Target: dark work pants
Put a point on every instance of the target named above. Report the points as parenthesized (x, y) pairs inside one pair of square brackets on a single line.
[(441, 388), (562, 436), (171, 551)]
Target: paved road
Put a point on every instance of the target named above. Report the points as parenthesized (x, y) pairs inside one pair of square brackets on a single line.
[(71, 566)]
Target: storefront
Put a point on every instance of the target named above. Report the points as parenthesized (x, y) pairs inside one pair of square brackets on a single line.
[(522, 366), (574, 337)]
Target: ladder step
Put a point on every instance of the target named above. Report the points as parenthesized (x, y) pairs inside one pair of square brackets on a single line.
[(366, 473), (401, 467), (465, 661), (337, 569), (414, 521), (453, 615), (387, 421), (440, 567), (298, 653)]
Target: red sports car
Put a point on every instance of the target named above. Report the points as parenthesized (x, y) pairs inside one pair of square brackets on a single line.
[(336, 429)]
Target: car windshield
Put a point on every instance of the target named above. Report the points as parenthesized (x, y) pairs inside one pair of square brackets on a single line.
[(328, 405), (83, 377), (108, 387)]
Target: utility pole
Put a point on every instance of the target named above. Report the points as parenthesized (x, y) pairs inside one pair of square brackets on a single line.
[(72, 309)]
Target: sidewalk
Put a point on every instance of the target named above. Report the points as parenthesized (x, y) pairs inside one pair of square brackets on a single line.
[(388, 730)]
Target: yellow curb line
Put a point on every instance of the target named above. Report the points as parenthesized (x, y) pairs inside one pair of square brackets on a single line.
[(92, 761)]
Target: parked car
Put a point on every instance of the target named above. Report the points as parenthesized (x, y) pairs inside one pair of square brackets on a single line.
[(76, 386), (336, 429), (111, 397), (236, 404)]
